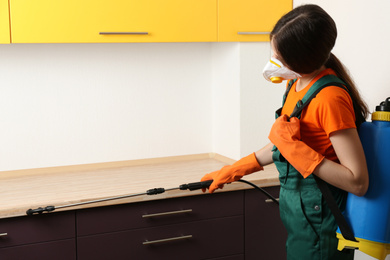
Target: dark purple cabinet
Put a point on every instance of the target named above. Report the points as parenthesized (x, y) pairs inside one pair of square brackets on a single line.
[(265, 235), (238, 225)]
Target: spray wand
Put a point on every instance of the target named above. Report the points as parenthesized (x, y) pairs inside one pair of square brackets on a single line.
[(189, 186), (154, 191)]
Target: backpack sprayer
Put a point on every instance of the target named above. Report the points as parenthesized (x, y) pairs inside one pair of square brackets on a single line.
[(369, 215), (154, 191)]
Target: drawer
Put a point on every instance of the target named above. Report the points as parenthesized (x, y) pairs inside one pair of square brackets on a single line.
[(39, 228), (160, 212), (205, 239), (58, 250)]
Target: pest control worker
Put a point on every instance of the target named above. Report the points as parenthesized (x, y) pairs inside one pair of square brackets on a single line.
[(322, 140)]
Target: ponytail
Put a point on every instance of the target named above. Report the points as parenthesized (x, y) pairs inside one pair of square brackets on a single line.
[(359, 105)]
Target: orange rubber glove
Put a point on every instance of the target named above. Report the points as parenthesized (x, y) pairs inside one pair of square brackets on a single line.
[(234, 172), (286, 136)]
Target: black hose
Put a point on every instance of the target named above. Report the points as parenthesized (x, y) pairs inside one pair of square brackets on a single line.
[(260, 189)]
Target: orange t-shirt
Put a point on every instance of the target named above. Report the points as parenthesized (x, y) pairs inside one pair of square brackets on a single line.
[(331, 110)]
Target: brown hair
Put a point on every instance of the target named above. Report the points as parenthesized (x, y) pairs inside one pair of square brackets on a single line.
[(304, 38)]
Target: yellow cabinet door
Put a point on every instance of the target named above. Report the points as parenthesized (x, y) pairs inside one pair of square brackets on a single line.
[(73, 21), (249, 20), (4, 22)]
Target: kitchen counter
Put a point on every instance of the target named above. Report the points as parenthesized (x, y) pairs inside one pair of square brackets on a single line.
[(57, 186)]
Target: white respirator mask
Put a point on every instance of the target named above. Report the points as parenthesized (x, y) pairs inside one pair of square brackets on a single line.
[(276, 72)]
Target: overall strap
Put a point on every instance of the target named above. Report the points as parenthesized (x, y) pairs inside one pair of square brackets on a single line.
[(290, 84), (345, 229)]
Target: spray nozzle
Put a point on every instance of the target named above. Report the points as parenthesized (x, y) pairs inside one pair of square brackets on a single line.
[(382, 112), (384, 105)]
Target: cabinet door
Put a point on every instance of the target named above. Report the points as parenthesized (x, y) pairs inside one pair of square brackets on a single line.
[(249, 20), (265, 234), (4, 22), (73, 21)]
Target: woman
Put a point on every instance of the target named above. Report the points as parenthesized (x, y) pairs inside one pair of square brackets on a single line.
[(323, 142)]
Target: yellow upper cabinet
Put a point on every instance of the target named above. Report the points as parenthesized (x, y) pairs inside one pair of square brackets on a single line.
[(249, 20), (73, 21), (4, 22)]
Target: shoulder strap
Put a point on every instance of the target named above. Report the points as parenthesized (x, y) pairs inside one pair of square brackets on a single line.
[(328, 80)]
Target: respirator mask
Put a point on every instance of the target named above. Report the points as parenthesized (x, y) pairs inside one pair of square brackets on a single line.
[(276, 72)]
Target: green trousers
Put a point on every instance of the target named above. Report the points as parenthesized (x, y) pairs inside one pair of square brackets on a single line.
[(310, 224)]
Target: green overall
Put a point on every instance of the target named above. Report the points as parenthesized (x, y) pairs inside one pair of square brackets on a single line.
[(310, 225)]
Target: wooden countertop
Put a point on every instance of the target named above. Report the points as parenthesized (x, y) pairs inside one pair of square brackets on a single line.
[(57, 186)]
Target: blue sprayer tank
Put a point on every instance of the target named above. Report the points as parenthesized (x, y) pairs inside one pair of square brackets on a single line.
[(369, 215)]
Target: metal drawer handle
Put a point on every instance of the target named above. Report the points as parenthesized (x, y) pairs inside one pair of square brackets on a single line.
[(123, 33), (269, 200), (166, 240), (3, 234), (167, 213), (253, 33)]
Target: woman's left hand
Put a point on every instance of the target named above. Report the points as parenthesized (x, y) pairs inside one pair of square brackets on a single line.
[(284, 131), (286, 136)]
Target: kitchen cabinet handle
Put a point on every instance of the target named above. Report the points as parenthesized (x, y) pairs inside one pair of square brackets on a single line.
[(3, 234), (253, 33), (166, 240), (123, 33), (167, 213), (269, 200)]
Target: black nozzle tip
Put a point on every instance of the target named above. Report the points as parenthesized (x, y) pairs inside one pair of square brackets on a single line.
[(39, 210)]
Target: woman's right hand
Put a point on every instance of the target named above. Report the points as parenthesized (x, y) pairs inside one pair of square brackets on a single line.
[(212, 176), (234, 172)]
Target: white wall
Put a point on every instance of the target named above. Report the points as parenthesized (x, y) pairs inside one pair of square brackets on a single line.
[(226, 99), (66, 104)]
